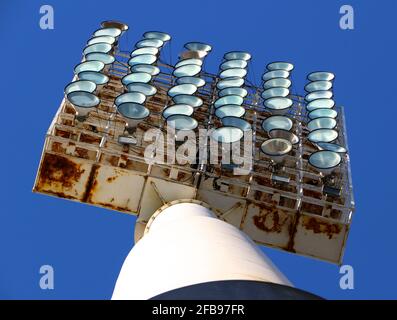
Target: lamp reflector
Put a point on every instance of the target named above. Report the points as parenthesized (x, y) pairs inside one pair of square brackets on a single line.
[(144, 50), (325, 161), (318, 86), (233, 72), (277, 82), (230, 110), (144, 88), (100, 56), (155, 43), (236, 122), (284, 134), (188, 70), (229, 83), (319, 95), (275, 92), (240, 55), (321, 76), (141, 77), (133, 113), (142, 59), (189, 61), (198, 82), (280, 65), (278, 105), (231, 64), (97, 47), (322, 135), (80, 85), (320, 104), (114, 24), (227, 134), (322, 113), (198, 46), (331, 147), (95, 65), (276, 148), (83, 102), (233, 91), (275, 74), (188, 99), (157, 35), (230, 99), (102, 39), (178, 109), (152, 70), (321, 123), (96, 77), (277, 122), (182, 89), (113, 32), (182, 122), (133, 97)]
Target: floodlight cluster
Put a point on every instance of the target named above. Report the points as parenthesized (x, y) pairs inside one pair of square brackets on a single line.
[(231, 94), (142, 69), (179, 114), (228, 105), (90, 77)]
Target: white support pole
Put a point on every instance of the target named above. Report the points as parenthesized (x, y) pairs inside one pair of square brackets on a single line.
[(186, 244)]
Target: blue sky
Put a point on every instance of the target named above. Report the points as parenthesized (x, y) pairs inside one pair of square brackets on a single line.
[(87, 245)]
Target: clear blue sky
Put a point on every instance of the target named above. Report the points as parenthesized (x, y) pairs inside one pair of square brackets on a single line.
[(87, 245)]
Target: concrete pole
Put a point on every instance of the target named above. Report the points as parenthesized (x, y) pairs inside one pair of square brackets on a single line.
[(186, 244)]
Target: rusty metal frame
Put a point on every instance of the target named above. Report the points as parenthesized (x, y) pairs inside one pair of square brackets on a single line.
[(82, 161)]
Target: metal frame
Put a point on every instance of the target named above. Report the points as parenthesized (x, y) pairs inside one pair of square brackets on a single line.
[(82, 161)]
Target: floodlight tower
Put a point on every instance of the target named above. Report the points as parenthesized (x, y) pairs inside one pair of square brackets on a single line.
[(117, 131)]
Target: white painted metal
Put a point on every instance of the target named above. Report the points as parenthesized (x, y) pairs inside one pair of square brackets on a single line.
[(186, 244)]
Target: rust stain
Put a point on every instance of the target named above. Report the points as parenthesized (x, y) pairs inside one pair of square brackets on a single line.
[(270, 221), (123, 161), (317, 226), (336, 214), (59, 194), (68, 122), (312, 194), (263, 181), (82, 153), (91, 183), (167, 172), (113, 207), (111, 179), (59, 169), (292, 229), (57, 147), (63, 134), (312, 208), (69, 109), (257, 195), (114, 161), (181, 175), (90, 139)]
